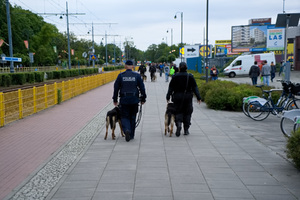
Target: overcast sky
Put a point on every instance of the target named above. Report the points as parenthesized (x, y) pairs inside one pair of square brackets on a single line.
[(146, 22)]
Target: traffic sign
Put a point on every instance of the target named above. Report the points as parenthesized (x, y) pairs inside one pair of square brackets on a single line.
[(12, 59), (191, 51), (93, 57), (84, 54)]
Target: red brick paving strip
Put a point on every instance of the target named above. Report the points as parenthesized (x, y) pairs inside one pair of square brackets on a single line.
[(27, 143)]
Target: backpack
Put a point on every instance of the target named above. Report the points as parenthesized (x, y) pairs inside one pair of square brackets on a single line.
[(172, 71)]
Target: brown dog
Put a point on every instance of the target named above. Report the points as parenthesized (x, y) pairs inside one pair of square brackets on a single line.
[(112, 118), (170, 118), (144, 77)]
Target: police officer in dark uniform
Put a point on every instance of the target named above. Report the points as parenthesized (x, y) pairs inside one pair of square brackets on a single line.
[(130, 88), (181, 89)]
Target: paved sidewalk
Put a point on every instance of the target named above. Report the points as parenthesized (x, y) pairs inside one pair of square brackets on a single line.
[(226, 156)]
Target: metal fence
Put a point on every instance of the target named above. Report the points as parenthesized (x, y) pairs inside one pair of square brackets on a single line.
[(24, 102)]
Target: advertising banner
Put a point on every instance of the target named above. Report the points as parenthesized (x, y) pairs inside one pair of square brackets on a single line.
[(275, 39), (249, 38)]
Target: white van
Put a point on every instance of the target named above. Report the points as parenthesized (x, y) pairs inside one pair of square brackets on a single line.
[(241, 65)]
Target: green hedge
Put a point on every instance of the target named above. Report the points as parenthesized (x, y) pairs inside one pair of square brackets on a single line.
[(227, 95), (293, 148), (8, 79), (112, 68), (18, 78)]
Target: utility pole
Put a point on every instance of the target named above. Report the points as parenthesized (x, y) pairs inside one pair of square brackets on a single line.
[(93, 41), (67, 14), (69, 51), (12, 69), (206, 43)]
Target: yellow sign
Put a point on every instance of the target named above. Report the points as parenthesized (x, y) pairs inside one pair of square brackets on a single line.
[(222, 41), (203, 50), (182, 50)]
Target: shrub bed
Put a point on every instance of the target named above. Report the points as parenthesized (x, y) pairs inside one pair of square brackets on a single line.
[(293, 148)]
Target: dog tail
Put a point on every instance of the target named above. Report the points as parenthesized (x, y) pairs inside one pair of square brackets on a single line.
[(169, 118), (111, 121)]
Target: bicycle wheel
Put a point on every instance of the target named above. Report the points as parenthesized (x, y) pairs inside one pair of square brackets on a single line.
[(293, 104), (287, 126), (245, 105), (258, 112)]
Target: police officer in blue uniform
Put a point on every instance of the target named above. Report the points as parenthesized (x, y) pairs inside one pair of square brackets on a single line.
[(131, 89)]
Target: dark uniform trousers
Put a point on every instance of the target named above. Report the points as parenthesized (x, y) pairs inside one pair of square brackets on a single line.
[(128, 118), (184, 108)]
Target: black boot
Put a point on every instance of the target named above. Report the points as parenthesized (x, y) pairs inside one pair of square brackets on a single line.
[(127, 136), (186, 132), (178, 131)]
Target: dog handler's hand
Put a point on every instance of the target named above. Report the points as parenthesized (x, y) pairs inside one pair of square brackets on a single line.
[(116, 103), (199, 101)]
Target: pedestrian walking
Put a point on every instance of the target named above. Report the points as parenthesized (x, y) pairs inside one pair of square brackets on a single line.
[(167, 72), (254, 73), (273, 71), (142, 69), (266, 72), (161, 68), (180, 91), (282, 65), (152, 71), (130, 88)]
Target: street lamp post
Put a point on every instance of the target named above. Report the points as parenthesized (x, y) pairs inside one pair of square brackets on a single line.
[(12, 70), (171, 36), (206, 44), (181, 58)]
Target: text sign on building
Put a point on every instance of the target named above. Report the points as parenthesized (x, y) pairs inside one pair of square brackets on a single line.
[(275, 39), (191, 51)]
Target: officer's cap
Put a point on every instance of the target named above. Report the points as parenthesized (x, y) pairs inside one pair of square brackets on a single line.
[(129, 62)]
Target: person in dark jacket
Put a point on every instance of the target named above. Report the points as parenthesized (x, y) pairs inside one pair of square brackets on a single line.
[(181, 89), (152, 71), (254, 73), (130, 88), (273, 71), (142, 69)]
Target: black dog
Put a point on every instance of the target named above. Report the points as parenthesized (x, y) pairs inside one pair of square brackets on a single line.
[(170, 118), (112, 117)]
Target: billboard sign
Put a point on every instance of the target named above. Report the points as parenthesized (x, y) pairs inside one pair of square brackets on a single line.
[(275, 39), (221, 47), (250, 38)]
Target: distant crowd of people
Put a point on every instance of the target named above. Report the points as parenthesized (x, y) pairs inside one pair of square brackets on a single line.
[(265, 71)]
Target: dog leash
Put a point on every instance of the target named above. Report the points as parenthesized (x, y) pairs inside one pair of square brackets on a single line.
[(139, 117)]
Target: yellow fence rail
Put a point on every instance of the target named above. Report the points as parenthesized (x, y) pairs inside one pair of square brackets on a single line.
[(22, 103)]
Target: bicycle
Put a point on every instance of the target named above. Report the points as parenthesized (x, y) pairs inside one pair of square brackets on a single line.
[(290, 121), (259, 108), (282, 98), (247, 99)]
